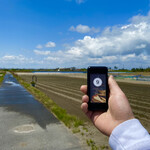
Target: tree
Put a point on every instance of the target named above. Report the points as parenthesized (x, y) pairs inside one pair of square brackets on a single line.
[(115, 67)]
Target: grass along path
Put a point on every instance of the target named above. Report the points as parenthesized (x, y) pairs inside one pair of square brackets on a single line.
[(2, 74)]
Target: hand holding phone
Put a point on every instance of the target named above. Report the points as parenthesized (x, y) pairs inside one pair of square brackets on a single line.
[(119, 108), (97, 81)]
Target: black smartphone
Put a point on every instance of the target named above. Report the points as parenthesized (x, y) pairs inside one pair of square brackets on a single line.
[(98, 91)]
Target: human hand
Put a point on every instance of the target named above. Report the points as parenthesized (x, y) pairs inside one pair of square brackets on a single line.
[(119, 109)]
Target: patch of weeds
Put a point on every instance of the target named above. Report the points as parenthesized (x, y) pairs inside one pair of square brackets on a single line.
[(82, 133), (104, 147), (88, 142), (137, 117), (78, 123), (2, 77), (76, 130), (84, 128), (91, 143)]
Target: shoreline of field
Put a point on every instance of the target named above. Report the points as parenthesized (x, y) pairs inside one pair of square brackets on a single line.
[(82, 75)]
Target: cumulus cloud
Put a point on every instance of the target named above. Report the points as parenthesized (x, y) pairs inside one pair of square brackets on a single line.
[(123, 44), (38, 52), (50, 44), (140, 46), (13, 58), (84, 29), (8, 57), (16, 60), (49, 58), (20, 61), (118, 40), (126, 45)]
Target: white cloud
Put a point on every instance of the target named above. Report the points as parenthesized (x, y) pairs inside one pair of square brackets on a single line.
[(49, 58), (118, 40), (8, 57), (16, 60), (140, 46), (38, 52), (84, 29), (129, 56), (128, 44), (108, 59), (50, 44), (13, 58), (125, 45), (77, 1), (39, 46)]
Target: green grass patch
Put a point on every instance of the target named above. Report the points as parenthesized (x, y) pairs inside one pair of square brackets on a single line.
[(2, 74), (104, 147), (76, 130), (84, 128), (91, 143)]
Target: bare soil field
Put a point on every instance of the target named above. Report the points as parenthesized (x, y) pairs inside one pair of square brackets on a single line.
[(64, 90)]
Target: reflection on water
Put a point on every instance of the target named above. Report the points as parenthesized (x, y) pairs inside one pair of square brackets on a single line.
[(14, 97)]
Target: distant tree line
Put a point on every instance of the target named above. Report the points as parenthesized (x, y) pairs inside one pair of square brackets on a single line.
[(140, 69), (129, 70), (76, 69), (72, 69)]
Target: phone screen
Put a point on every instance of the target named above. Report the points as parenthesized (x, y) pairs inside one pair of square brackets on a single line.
[(98, 88)]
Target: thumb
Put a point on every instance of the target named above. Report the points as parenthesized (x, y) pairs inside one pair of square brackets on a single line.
[(113, 86)]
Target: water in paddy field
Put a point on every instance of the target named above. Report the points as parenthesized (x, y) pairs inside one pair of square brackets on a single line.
[(16, 98), (134, 77)]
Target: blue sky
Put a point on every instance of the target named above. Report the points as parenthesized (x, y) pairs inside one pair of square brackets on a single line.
[(66, 33)]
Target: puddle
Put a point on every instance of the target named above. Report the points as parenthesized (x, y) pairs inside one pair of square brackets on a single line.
[(27, 128), (11, 83)]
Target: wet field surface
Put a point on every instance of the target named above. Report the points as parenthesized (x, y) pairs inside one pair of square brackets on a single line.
[(26, 124)]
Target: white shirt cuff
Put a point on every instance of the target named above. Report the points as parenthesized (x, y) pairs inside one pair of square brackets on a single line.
[(130, 135)]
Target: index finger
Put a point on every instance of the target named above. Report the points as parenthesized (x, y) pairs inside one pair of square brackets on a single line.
[(83, 88)]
